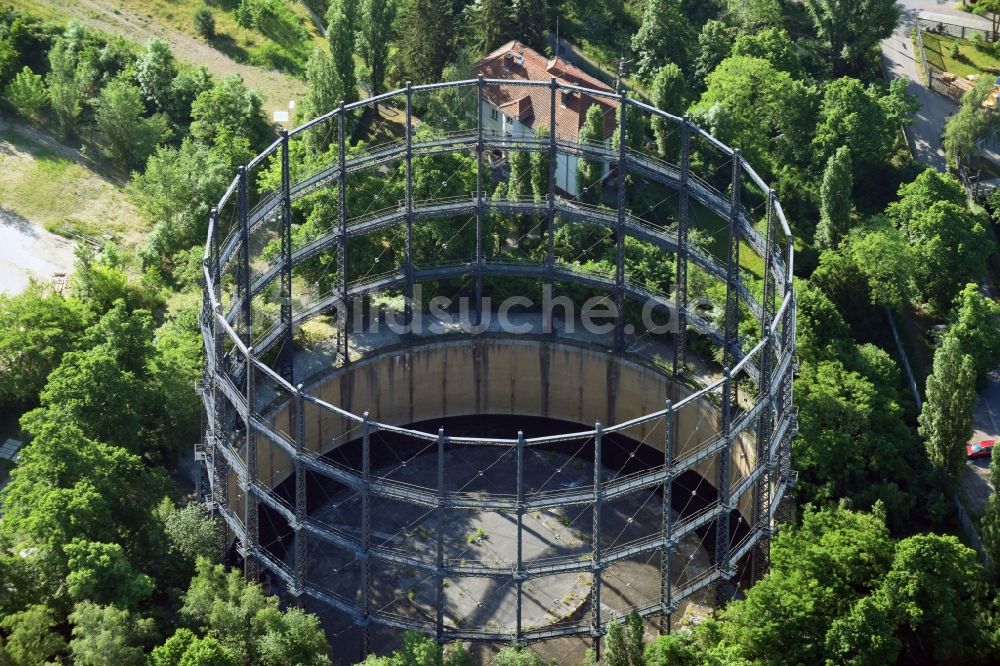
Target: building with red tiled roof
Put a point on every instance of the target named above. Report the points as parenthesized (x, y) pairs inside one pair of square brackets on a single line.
[(514, 110)]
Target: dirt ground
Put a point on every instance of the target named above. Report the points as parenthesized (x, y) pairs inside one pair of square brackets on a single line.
[(114, 19)]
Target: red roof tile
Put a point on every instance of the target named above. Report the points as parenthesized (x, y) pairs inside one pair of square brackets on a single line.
[(516, 62)]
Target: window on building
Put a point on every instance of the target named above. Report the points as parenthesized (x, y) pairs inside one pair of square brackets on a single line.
[(494, 114)]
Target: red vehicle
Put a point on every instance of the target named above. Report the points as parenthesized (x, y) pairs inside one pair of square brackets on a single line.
[(983, 449)]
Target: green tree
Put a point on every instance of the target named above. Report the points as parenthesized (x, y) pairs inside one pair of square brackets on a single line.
[(946, 419), (322, 96), (989, 9), (32, 637), (248, 624), (665, 35), (862, 119), (866, 636), (64, 88), (774, 45), (835, 199), (516, 656), (155, 71), (851, 30), (204, 22), (540, 166), (989, 524), (715, 44), (950, 245), (883, 255), (969, 124), (531, 21), (590, 172), (228, 110), (131, 138), (490, 23), (100, 572), (107, 636), (635, 642), (170, 652), (976, 321), (27, 93), (341, 33), (615, 647), (763, 111), (423, 44), (932, 585), (929, 187), (375, 31), (753, 16), (36, 329), (207, 651), (668, 92), (674, 649)]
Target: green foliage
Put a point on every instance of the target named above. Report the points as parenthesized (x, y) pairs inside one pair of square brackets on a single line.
[(531, 22), (322, 96), (424, 30), (664, 36), (946, 419), (249, 624), (863, 120), (883, 255), (131, 138), (676, 649), (949, 243), (229, 110), (774, 45), (835, 199), (668, 92), (975, 325), (27, 93), (178, 189), (616, 651), (753, 16), (375, 19), (850, 30), (341, 34), (490, 23), (32, 637), (63, 83), (100, 572), (540, 166), (970, 123), (155, 71), (36, 329), (750, 104), (107, 636), (989, 524), (590, 172), (204, 22), (715, 44)]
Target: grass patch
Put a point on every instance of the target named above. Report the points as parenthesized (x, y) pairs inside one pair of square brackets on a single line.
[(970, 60), (283, 40), (58, 193)]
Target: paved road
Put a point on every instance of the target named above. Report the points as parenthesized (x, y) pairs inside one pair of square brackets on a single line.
[(924, 136)]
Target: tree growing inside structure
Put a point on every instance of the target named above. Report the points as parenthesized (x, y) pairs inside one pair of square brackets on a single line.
[(835, 199)]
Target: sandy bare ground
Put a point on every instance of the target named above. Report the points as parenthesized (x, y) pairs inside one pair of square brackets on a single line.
[(115, 19), (27, 251)]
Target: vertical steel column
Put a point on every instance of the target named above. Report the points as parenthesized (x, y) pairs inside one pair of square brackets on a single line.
[(681, 298), (722, 540), (760, 562), (667, 520), (519, 574), (244, 323), (479, 200), (732, 323), (299, 586), (620, 228), (440, 511), (366, 534), (550, 235), (220, 473), (285, 355), (595, 544), (249, 481), (785, 475), (342, 247), (408, 300)]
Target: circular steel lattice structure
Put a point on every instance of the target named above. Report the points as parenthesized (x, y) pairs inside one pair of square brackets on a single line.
[(270, 432)]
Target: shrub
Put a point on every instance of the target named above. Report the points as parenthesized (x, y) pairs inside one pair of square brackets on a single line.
[(204, 22), (27, 93)]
